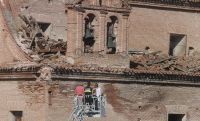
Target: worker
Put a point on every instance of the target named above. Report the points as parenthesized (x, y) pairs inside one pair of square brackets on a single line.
[(98, 90), (88, 94), (98, 93), (79, 91)]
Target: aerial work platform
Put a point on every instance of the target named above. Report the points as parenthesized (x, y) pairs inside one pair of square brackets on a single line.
[(94, 108)]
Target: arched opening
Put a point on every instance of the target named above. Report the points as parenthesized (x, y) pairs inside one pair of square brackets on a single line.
[(190, 51), (89, 38), (147, 49), (100, 2), (112, 27)]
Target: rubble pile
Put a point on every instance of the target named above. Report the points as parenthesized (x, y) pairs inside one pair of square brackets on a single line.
[(156, 61), (86, 68), (35, 42), (147, 63)]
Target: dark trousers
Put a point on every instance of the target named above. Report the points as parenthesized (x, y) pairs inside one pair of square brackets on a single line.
[(88, 99)]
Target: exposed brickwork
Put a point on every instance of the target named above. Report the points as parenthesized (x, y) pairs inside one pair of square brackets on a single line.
[(131, 102)]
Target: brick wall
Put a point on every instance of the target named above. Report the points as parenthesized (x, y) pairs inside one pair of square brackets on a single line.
[(54, 13), (8, 47), (128, 102), (28, 97), (154, 103), (152, 27)]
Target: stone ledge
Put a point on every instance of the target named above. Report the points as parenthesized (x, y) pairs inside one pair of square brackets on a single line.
[(163, 6), (104, 8)]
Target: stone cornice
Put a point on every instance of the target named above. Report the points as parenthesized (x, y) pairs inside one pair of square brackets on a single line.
[(100, 74), (99, 8), (163, 6), (20, 76)]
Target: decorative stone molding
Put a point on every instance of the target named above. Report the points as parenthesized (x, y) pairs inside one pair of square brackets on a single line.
[(45, 74)]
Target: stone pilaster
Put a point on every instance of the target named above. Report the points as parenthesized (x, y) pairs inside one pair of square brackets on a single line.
[(124, 33), (119, 40), (79, 41), (102, 31), (71, 31), (96, 34), (74, 31)]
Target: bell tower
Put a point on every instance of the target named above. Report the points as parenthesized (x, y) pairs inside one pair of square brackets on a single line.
[(97, 26)]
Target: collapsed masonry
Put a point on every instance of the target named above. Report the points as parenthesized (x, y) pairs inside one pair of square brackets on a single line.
[(156, 61), (153, 103), (45, 38), (40, 45), (33, 37)]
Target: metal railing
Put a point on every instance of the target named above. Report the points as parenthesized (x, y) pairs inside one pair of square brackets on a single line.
[(87, 107), (183, 3)]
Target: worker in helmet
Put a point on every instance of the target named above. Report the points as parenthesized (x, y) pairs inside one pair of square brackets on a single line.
[(79, 91), (88, 94)]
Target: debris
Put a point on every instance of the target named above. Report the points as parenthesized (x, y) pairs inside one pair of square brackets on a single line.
[(160, 61), (156, 61), (70, 60), (33, 38)]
